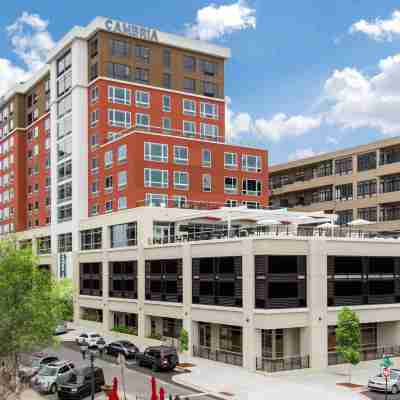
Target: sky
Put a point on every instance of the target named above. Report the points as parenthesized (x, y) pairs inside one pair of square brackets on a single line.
[(305, 77)]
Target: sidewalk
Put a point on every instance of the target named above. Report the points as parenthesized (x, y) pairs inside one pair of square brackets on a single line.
[(235, 383)]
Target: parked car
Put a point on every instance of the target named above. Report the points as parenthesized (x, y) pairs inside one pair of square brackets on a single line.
[(124, 347), (50, 376), (91, 339), (34, 363), (378, 382), (61, 328), (163, 358), (79, 384)]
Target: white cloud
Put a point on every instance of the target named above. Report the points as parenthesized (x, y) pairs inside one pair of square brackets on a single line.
[(332, 140), (213, 22), (31, 42), (380, 29), (303, 153), (361, 101)]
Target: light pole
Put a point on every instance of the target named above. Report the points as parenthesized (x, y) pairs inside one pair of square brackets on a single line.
[(85, 349)]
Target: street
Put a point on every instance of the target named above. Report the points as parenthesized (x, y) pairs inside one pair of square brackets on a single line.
[(380, 396), (137, 379)]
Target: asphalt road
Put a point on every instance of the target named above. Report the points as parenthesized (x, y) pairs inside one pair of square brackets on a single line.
[(137, 379), (380, 396)]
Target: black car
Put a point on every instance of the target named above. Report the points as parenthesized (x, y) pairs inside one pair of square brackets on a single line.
[(163, 358), (79, 384), (124, 347)]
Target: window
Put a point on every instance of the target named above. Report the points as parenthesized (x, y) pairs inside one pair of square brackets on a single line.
[(167, 81), (181, 180), (142, 54), (94, 118), (209, 110), (119, 118), (119, 95), (64, 149), (189, 63), (166, 103), (230, 185), (181, 155), (108, 158), (189, 107), (209, 131), (143, 121), (167, 58), (251, 163), (366, 188), (142, 75), (155, 152), (123, 235), (166, 124), (95, 209), (93, 47), (64, 242), (189, 128), (206, 158), (189, 85), (95, 187), (94, 164), (94, 140), (93, 72), (155, 178), (230, 160), (91, 239), (210, 89), (64, 213), (344, 217), (118, 71), (122, 152), (231, 203), (251, 187), (64, 83), (64, 63), (108, 206), (64, 192), (344, 192), (206, 182), (208, 68), (179, 201), (366, 161), (344, 166), (64, 106), (119, 48), (368, 214), (44, 245), (142, 98), (64, 171), (108, 183), (94, 94), (156, 200), (122, 203), (122, 179)]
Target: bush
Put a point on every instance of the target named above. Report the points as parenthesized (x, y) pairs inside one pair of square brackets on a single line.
[(125, 329)]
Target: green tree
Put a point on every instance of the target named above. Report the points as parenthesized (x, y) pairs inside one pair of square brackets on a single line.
[(66, 299), (348, 337), (183, 340), (29, 311)]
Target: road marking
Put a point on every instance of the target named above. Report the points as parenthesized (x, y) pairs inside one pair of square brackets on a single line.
[(190, 396)]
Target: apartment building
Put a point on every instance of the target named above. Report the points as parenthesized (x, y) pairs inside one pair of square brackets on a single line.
[(249, 291), (357, 183), (121, 116)]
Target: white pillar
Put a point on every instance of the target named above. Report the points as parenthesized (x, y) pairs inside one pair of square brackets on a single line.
[(142, 329), (187, 293), (317, 304), (248, 282)]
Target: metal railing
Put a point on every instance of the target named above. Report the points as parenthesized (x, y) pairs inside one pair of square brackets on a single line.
[(270, 231), (282, 364), (224, 356), (367, 354)]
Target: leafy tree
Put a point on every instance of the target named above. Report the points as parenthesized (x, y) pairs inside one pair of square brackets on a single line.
[(183, 340), (66, 299), (348, 337), (29, 310)]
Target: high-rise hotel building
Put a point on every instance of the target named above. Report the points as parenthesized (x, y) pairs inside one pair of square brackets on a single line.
[(120, 116)]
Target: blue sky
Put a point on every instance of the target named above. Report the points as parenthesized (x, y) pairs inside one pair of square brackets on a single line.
[(284, 92)]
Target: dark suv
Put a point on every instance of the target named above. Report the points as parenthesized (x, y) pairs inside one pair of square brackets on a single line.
[(124, 347), (162, 358), (79, 384)]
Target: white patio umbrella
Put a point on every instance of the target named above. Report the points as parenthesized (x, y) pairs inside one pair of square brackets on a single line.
[(327, 225), (357, 222), (268, 222)]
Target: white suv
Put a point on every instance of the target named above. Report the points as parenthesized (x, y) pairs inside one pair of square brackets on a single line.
[(91, 339), (52, 375)]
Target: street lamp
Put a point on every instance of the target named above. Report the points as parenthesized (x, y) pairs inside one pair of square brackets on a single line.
[(84, 348)]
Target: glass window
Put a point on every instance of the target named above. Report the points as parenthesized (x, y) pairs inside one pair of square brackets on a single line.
[(209, 131), (108, 183), (189, 63), (64, 242), (142, 98), (179, 201), (251, 187), (251, 163), (142, 75), (208, 68), (64, 213), (124, 235), (155, 152), (189, 107), (64, 149), (206, 183), (142, 54), (181, 155), (209, 110), (167, 80), (230, 185), (167, 58), (210, 89), (122, 179), (166, 103), (181, 180), (156, 199), (189, 128), (119, 71), (91, 239), (119, 48), (189, 85), (108, 158), (122, 152), (155, 178), (230, 160), (206, 158), (64, 192), (119, 95), (122, 203), (167, 124), (119, 118), (143, 121)]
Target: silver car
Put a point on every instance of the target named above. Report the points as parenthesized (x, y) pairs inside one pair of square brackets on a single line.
[(51, 375), (378, 382)]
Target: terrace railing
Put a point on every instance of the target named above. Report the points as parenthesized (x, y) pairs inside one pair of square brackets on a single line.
[(282, 364), (367, 354), (224, 356)]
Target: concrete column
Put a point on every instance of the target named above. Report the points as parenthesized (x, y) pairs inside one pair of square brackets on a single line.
[(248, 282), (317, 304), (187, 293), (258, 343), (291, 342), (142, 331), (194, 336), (378, 157), (107, 323), (75, 283), (304, 341)]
